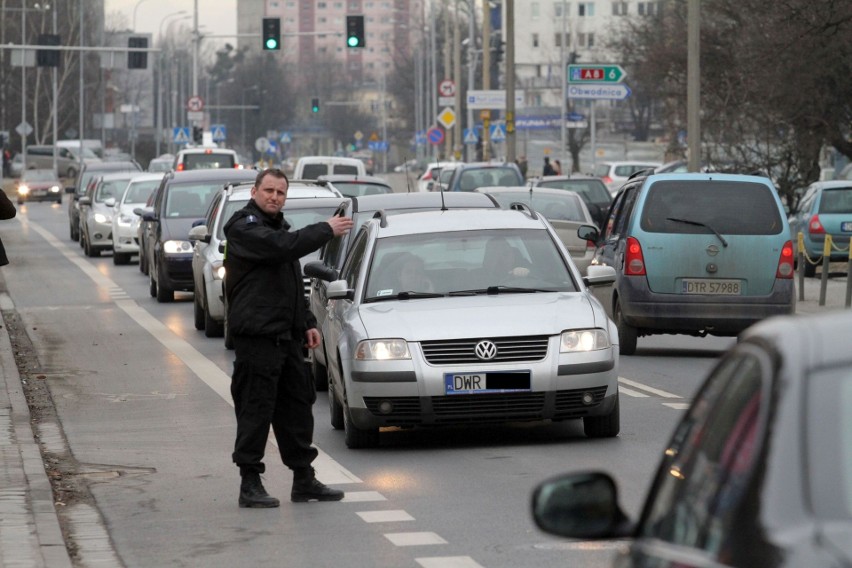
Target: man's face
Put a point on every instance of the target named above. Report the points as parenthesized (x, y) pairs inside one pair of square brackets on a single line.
[(271, 194)]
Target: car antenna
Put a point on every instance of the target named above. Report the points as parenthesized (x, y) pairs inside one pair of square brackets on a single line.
[(443, 205), (405, 168)]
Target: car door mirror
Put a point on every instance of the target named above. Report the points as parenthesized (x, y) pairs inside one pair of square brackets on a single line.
[(110, 202), (580, 505), (199, 233), (597, 275), (223, 244), (85, 200), (318, 269), (588, 233), (339, 290)]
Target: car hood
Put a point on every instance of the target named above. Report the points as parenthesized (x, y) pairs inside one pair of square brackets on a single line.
[(175, 229), (475, 316)]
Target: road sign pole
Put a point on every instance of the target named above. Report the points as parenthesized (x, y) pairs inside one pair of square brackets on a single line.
[(593, 126)]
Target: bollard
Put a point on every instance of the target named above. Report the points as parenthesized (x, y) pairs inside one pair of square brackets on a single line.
[(826, 258), (849, 277), (800, 243)]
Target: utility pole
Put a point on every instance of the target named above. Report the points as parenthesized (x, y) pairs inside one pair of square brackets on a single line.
[(486, 71), (564, 75), (693, 86), (448, 66), (510, 80), (457, 138), (471, 74)]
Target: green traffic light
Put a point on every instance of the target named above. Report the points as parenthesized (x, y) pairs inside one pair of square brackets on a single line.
[(271, 43), (352, 41)]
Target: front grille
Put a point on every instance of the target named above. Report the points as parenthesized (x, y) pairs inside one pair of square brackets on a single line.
[(488, 407), (462, 351)]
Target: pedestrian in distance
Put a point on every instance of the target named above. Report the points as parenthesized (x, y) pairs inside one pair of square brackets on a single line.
[(270, 323), (557, 167), (521, 161), (548, 168), (7, 211)]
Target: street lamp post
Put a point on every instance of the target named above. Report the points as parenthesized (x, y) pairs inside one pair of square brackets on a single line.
[(160, 74), (243, 113)]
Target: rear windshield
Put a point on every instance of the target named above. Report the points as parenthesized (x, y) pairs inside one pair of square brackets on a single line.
[(560, 207), (209, 161), (592, 190), (355, 189), (470, 179), (313, 171), (700, 206), (344, 169), (836, 200)]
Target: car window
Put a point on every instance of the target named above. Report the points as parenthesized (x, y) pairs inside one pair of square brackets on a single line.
[(188, 199), (313, 171), (701, 482), (602, 170), (593, 191), (110, 189), (623, 217), (559, 208), (302, 217), (473, 178), (212, 212), (836, 200), (139, 192), (344, 169), (39, 175), (351, 271), (711, 203), (354, 189), (207, 161), (331, 252), (231, 207)]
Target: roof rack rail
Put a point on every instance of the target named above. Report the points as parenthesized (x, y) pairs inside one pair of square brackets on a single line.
[(380, 214), (639, 173), (518, 206)]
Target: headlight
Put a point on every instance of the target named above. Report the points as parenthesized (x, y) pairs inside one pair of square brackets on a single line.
[(584, 340), (23, 190), (125, 220), (218, 271), (175, 247), (382, 350), (54, 189), (101, 218)]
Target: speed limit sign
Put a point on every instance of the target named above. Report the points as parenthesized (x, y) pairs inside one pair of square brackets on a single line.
[(447, 88)]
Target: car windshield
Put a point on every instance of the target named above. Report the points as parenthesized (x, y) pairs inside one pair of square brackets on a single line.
[(554, 207), (602, 170), (837, 200), (190, 199), (696, 206), (110, 189), (160, 166), (205, 161), (39, 175), (467, 263), (592, 190), (140, 191), (473, 178), (357, 189)]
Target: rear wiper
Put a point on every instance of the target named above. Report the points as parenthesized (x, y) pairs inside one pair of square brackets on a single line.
[(491, 290), (407, 295), (700, 224)]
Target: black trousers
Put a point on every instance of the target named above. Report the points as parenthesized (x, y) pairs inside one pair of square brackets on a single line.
[(270, 386)]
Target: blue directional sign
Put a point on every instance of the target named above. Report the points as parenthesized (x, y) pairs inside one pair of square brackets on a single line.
[(219, 132), (378, 146), (180, 135), (273, 147), (497, 132), (420, 138), (470, 136), (285, 138)]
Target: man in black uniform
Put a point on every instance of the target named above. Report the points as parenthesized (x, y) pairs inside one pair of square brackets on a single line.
[(270, 322)]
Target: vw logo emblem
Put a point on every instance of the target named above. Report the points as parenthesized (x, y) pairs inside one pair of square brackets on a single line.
[(486, 350)]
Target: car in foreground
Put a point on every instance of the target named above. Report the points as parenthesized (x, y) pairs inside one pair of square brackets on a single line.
[(307, 203), (688, 261), (565, 211), (595, 194), (181, 199), (333, 253), (357, 186), (469, 177), (125, 223), (465, 317), (614, 174), (97, 208), (81, 184), (39, 185), (756, 474), (825, 209)]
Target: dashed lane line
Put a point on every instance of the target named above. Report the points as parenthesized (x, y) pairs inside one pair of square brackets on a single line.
[(647, 388)]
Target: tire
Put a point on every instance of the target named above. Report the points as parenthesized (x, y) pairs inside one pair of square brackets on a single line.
[(810, 269), (120, 258), (152, 286), (164, 293), (606, 426), (212, 328), (88, 248), (143, 261), (335, 410), (357, 438), (320, 374), (627, 334), (73, 233), (198, 312), (71, 173)]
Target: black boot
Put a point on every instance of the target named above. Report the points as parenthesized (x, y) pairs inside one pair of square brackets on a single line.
[(253, 495), (307, 488)]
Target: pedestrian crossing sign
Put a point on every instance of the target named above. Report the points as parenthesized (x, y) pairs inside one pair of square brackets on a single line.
[(180, 135), (498, 132), (219, 132), (470, 136)]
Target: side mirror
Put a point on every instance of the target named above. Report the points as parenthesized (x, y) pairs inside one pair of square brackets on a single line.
[(223, 244), (430, 185), (339, 290), (598, 275), (317, 269), (147, 214), (110, 202), (588, 233), (85, 200), (199, 233)]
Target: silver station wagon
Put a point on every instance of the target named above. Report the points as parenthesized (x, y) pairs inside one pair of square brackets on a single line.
[(466, 317)]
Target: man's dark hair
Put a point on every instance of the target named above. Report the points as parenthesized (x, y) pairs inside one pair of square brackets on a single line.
[(274, 172)]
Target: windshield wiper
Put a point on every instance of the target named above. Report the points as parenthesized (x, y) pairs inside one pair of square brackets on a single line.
[(700, 224), (407, 295), (492, 290)]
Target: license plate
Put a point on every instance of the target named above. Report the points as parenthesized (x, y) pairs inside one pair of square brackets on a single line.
[(486, 382), (711, 286), (39, 192), (846, 226)]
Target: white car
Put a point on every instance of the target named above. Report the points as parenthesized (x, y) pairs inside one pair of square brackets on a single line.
[(205, 158), (125, 223), (97, 208), (427, 181), (312, 167), (466, 317), (614, 174)]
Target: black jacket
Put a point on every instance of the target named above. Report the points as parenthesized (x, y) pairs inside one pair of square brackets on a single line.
[(263, 277), (7, 211)]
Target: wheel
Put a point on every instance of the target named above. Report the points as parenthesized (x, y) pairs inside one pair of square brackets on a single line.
[(627, 334), (152, 285), (73, 232), (212, 328), (119, 258), (164, 293), (810, 269), (319, 373), (71, 173), (59, 200), (143, 261), (88, 248), (335, 410), (198, 311), (606, 426), (357, 438)]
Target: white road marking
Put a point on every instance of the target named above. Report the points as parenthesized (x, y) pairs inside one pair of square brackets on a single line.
[(415, 538), (448, 562), (646, 388), (631, 392), (384, 516), (328, 470), (363, 496)]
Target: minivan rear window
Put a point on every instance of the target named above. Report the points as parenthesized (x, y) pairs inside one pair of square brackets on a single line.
[(702, 206), (313, 171), (836, 200), (345, 169)]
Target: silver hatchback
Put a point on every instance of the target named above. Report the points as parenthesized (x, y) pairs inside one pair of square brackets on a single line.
[(466, 317)]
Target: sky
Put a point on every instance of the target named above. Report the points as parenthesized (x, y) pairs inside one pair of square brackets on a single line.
[(215, 17)]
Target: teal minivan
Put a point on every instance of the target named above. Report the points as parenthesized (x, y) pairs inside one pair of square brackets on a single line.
[(695, 254)]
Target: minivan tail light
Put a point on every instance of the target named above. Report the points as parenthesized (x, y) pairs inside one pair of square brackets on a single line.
[(428, 175), (607, 180), (634, 261), (785, 262), (180, 167), (815, 227)]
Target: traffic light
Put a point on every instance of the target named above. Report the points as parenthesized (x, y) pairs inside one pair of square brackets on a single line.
[(355, 31), (137, 59), (314, 104), (47, 57), (197, 134), (271, 34)]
